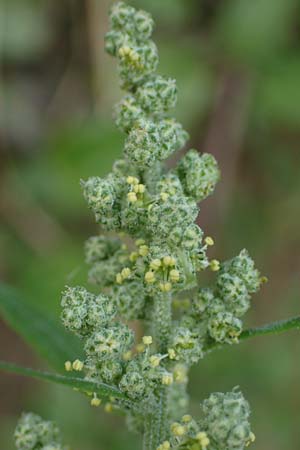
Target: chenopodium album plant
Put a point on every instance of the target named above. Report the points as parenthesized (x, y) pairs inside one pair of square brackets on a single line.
[(149, 271)]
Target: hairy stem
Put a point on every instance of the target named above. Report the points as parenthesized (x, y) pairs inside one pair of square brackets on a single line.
[(162, 321), (272, 328)]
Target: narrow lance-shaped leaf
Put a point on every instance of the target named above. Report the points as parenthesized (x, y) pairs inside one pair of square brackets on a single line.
[(45, 335), (101, 389)]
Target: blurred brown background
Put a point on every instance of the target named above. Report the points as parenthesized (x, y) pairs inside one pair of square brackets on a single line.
[(237, 63)]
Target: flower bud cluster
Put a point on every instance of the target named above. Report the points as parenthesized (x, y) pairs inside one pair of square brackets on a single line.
[(105, 341), (187, 434), (226, 421), (129, 41), (34, 433), (106, 257), (199, 174), (222, 306), (144, 373)]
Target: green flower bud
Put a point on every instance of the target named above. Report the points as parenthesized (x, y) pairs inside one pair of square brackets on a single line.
[(83, 312), (133, 384), (109, 343), (186, 345), (233, 291), (32, 432), (157, 95), (224, 327), (226, 421), (243, 267), (198, 174), (101, 196), (130, 300), (99, 248), (127, 113)]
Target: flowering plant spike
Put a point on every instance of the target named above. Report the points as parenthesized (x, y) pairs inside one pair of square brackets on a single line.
[(146, 267)]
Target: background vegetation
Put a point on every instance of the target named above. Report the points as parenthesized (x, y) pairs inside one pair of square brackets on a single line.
[(238, 69)]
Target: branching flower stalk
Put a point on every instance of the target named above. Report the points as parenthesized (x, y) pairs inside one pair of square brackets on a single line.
[(146, 267)]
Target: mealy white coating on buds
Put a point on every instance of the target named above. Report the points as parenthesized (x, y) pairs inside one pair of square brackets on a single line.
[(199, 174), (226, 421), (108, 343), (83, 312), (34, 433)]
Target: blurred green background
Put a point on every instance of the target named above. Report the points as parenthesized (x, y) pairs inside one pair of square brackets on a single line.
[(238, 69)]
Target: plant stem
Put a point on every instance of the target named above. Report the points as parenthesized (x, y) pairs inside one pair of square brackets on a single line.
[(272, 328), (162, 321)]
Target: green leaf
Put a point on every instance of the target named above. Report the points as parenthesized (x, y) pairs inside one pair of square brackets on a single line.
[(101, 389), (45, 335)]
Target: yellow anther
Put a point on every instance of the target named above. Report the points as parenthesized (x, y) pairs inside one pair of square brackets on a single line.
[(125, 51), (215, 265), (167, 379), (165, 287), (144, 250), (149, 277), (164, 446), (186, 418), (127, 356), (154, 360), (264, 280), (171, 353), (139, 188), (169, 261), (131, 196), (155, 264), (147, 340), (132, 180), (177, 429), (180, 374), (174, 276), (68, 366), (95, 401), (203, 439), (126, 272), (133, 256), (77, 365), (209, 241), (140, 348), (139, 242), (164, 196), (251, 439), (108, 407), (119, 278)]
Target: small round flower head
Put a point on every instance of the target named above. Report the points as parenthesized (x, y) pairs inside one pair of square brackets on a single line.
[(83, 312), (133, 384), (243, 267), (161, 215), (108, 371), (130, 299), (103, 273), (136, 62), (138, 24), (199, 174), (127, 113), (225, 328), (142, 145), (100, 195), (233, 291), (172, 137), (114, 40), (169, 184), (157, 95), (99, 248), (186, 345), (109, 343), (32, 432), (203, 300), (226, 420)]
